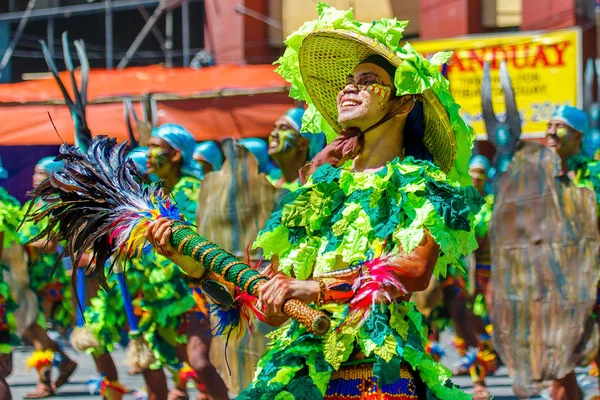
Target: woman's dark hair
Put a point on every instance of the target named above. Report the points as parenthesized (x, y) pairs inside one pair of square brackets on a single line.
[(414, 131)]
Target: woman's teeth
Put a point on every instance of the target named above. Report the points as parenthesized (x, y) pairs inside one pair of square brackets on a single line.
[(350, 103)]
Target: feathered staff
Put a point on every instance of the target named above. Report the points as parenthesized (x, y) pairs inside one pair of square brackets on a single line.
[(81, 338), (95, 201)]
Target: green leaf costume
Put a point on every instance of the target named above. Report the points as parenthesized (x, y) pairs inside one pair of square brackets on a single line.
[(10, 217), (47, 283), (341, 218), (336, 219)]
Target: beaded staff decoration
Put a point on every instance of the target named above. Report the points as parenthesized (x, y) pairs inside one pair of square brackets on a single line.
[(96, 201)]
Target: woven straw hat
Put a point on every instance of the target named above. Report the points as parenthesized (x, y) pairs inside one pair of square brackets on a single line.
[(327, 57)]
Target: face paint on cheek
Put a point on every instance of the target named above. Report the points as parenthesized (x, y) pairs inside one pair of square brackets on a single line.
[(287, 140), (562, 133), (382, 93), (158, 157)]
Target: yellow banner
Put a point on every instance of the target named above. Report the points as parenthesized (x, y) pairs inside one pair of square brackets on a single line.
[(545, 69)]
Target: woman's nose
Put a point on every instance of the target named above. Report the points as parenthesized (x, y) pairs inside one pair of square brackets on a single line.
[(350, 88)]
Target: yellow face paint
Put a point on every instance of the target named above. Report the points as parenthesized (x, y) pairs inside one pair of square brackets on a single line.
[(158, 157), (561, 132), (287, 139), (380, 90)]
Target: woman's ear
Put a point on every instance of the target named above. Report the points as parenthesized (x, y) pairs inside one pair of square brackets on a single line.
[(401, 106), (176, 156)]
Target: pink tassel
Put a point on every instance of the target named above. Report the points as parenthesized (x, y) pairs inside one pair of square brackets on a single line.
[(379, 285)]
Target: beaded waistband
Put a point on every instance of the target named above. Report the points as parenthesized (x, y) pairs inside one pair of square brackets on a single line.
[(357, 382)]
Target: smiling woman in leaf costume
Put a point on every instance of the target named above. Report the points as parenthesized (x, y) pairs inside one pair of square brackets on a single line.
[(382, 209)]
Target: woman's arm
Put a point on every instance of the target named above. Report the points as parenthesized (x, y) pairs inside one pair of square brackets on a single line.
[(416, 270), (417, 267), (159, 234)]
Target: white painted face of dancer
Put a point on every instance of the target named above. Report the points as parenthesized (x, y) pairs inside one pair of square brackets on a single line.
[(365, 99)]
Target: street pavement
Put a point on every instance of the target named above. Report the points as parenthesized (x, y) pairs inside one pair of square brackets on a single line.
[(23, 381)]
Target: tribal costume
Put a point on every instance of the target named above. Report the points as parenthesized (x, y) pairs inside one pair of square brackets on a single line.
[(165, 294), (340, 219), (105, 316), (545, 222), (283, 147), (347, 235), (10, 216), (170, 303), (52, 285), (352, 215), (209, 155)]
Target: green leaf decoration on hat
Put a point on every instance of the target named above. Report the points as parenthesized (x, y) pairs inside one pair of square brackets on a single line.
[(414, 75)]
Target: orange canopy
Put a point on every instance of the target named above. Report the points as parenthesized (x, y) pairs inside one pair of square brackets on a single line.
[(213, 103)]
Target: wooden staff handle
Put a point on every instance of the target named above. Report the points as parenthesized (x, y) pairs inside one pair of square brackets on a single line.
[(314, 320)]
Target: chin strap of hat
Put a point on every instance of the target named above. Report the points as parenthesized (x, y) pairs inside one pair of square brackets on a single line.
[(346, 146)]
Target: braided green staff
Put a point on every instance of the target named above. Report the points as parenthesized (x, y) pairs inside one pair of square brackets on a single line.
[(217, 260), (95, 201)]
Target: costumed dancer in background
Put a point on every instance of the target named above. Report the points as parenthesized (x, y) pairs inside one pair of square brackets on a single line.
[(586, 163), (110, 312), (10, 218), (291, 149), (49, 280), (544, 223), (582, 168), (235, 226), (231, 215), (479, 169), (173, 313), (209, 155), (366, 203)]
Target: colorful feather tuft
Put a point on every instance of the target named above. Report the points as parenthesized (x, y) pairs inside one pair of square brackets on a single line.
[(186, 373), (237, 319), (112, 390), (40, 359), (436, 350), (468, 360), (378, 283), (97, 202)]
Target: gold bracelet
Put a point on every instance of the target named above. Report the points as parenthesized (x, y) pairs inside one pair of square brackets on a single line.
[(184, 241), (198, 247), (247, 285), (322, 289)]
